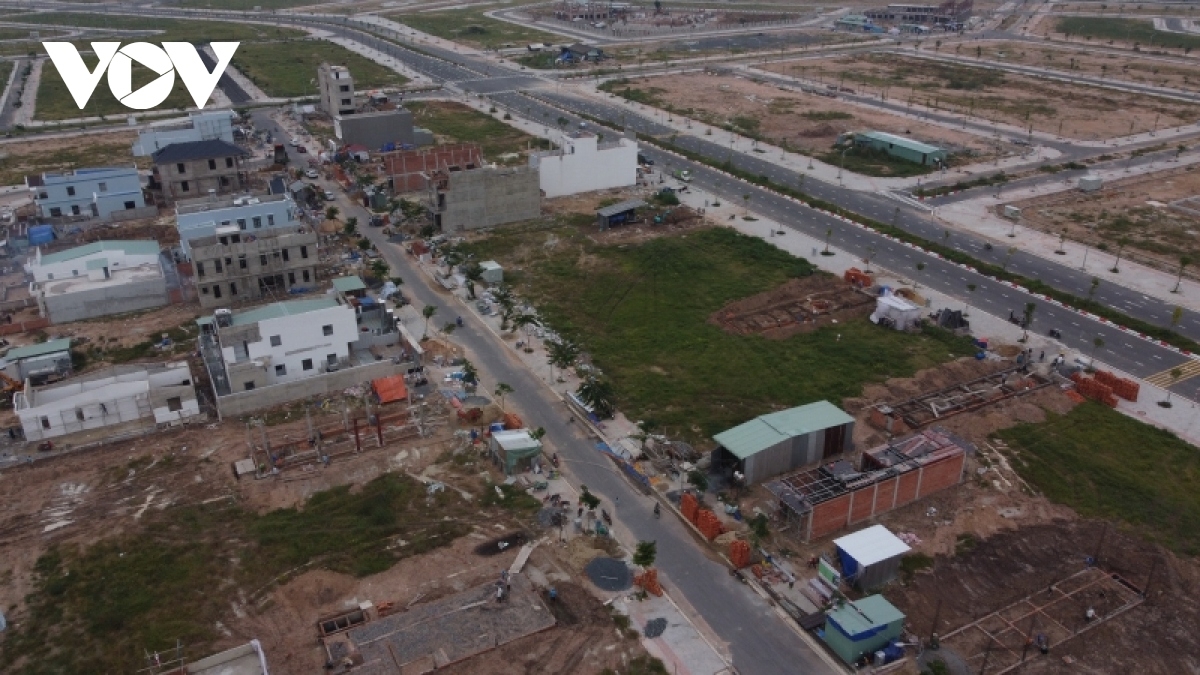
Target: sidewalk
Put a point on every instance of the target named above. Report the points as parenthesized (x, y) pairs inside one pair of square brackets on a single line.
[(974, 216)]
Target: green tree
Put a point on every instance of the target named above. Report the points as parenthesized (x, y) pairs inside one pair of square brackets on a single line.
[(428, 313), (351, 226), (1092, 288), (698, 478), (470, 373), (758, 525), (331, 213), (1030, 308), (828, 236), (474, 273), (920, 268), (1122, 242), (1097, 345), (1007, 257), (1176, 316), (1176, 373), (502, 390), (587, 498), (562, 354), (645, 554), (525, 320), (364, 244), (599, 395), (379, 269)]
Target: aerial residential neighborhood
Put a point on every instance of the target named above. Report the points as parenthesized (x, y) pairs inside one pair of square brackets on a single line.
[(707, 338)]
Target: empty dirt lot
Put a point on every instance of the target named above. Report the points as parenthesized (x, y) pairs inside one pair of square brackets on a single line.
[(1082, 60), (1138, 209), (798, 306), (806, 122), (1086, 113)]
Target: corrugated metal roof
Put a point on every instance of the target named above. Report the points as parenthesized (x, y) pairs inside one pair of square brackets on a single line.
[(622, 207), (872, 545), (127, 246), (767, 430), (281, 309), (30, 351), (916, 146), (192, 150), (860, 616), (349, 284)]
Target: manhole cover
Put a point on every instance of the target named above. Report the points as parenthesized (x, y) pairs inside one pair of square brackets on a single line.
[(655, 627), (609, 574)]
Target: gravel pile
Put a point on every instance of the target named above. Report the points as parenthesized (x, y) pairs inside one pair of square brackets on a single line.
[(609, 574)]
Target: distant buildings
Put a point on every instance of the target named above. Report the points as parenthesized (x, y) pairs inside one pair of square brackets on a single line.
[(583, 164), (104, 193), (98, 279), (125, 398), (375, 130), (474, 199), (234, 265), (205, 125), (949, 14), (253, 214), (199, 168), (900, 147), (336, 86)]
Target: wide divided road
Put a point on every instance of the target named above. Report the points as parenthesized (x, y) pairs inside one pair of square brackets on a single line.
[(1120, 349)]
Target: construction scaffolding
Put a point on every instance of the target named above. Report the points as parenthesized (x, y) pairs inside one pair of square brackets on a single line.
[(924, 409)]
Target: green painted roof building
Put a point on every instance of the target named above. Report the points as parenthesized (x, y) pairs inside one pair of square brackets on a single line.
[(771, 444)]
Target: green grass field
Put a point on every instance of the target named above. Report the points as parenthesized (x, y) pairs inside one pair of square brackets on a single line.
[(457, 123), (246, 5), (642, 313), (54, 102), (1108, 465), (289, 69), (1140, 31), (26, 158), (6, 68), (95, 609), (471, 27), (172, 30)]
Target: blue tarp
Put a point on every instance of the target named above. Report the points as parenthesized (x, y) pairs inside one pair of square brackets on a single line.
[(41, 234), (849, 565)]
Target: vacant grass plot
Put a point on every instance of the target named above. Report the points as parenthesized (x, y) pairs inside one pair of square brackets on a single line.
[(289, 69), (246, 4), (1083, 60), (1134, 32), (95, 609), (1105, 464), (471, 27), (1070, 110), (642, 313), (456, 123), (54, 101), (170, 30), (36, 156)]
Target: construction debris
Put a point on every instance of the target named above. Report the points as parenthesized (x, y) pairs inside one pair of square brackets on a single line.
[(798, 306), (919, 411)]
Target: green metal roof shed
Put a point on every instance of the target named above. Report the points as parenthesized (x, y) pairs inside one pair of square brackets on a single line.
[(777, 442), (350, 284), (862, 627), (899, 146), (39, 349)]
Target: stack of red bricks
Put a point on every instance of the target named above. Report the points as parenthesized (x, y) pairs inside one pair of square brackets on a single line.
[(1121, 387), (708, 524), (688, 506), (1096, 390), (648, 580), (739, 553)]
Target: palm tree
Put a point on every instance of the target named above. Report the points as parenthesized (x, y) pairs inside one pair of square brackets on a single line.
[(645, 554), (599, 395), (562, 354), (1184, 261), (1030, 308), (1121, 244), (331, 213), (428, 313), (470, 373), (502, 390), (1176, 316), (474, 273), (828, 236), (525, 320)]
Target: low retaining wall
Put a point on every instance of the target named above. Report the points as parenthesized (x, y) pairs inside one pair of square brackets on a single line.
[(245, 402)]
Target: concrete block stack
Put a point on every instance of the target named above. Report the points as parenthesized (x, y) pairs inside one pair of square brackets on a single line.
[(739, 553), (1123, 388)]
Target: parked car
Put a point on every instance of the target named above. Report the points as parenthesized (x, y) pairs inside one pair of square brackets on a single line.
[(311, 173), (301, 149), (642, 159), (329, 195)]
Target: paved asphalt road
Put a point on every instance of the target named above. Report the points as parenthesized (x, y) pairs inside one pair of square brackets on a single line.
[(758, 640)]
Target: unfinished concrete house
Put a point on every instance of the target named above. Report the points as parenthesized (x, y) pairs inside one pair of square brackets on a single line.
[(473, 199), (235, 266), (407, 170), (268, 355), (98, 279), (119, 400)]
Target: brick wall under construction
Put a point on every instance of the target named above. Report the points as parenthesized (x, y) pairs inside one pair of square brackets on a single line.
[(892, 493), (407, 168)]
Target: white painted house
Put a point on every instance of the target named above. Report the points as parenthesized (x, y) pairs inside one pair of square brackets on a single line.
[(197, 218), (583, 164), (204, 125), (77, 262), (282, 342), (89, 193), (127, 396), (98, 279)]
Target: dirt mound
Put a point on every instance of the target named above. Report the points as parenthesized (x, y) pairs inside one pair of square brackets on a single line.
[(818, 131), (1156, 637)]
